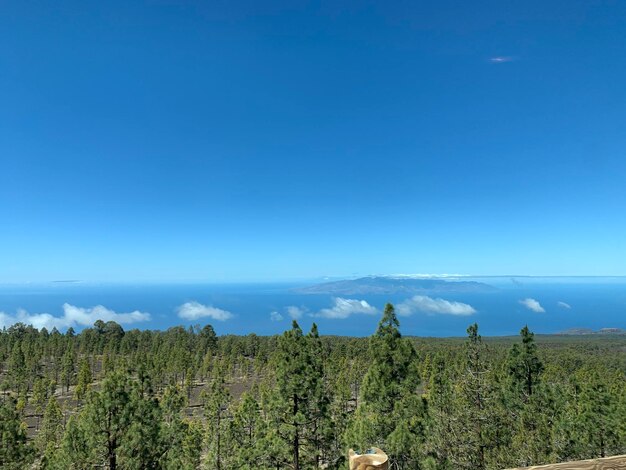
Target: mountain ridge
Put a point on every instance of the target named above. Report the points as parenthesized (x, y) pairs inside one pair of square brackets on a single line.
[(395, 285), (589, 331)]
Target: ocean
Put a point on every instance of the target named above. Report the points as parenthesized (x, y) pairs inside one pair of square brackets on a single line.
[(265, 309)]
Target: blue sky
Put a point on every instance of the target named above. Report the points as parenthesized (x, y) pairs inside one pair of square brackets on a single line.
[(227, 141)]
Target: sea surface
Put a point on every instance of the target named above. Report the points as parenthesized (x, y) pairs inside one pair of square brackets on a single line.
[(263, 309)]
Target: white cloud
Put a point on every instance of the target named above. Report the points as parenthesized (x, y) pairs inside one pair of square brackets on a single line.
[(275, 316), (500, 59), (38, 320), (532, 304), (564, 305), (343, 308), (195, 310), (423, 303), (295, 312), (72, 316), (87, 316)]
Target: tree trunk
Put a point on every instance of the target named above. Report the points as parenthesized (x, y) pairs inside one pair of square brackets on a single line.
[(219, 463), (112, 455), (296, 437)]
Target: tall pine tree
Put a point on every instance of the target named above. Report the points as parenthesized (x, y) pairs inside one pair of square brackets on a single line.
[(390, 414), (300, 407)]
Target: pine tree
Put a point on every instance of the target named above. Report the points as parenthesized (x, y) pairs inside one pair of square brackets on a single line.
[(276, 444), (189, 452), (389, 412), (74, 451), (528, 403), (108, 416), (174, 430), (84, 379), (533, 427), (474, 407), (51, 430), (15, 451), (340, 407), (16, 368), (246, 431), (40, 397), (67, 368), (141, 446), (598, 421), (189, 381), (216, 402), (525, 367), (318, 432), (208, 340), (442, 435), (300, 385)]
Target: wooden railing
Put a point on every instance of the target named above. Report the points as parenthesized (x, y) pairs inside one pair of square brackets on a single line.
[(610, 463)]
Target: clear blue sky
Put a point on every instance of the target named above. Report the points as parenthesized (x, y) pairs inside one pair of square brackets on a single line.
[(233, 140)]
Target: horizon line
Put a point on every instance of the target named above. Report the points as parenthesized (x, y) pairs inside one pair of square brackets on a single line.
[(321, 279)]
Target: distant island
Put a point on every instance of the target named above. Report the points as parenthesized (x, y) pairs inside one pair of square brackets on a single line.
[(589, 331), (385, 285)]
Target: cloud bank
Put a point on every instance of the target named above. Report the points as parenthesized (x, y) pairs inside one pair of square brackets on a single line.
[(72, 316), (425, 304), (564, 305), (532, 304), (195, 310), (343, 308)]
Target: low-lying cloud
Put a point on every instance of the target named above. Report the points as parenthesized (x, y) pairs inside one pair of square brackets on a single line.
[(532, 304), (276, 316), (564, 305), (195, 310), (425, 304), (344, 308), (296, 313), (72, 317)]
